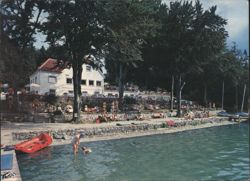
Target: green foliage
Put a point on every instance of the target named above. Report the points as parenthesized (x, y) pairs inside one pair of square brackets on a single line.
[(164, 125), (144, 42), (21, 20), (51, 99), (131, 22), (190, 42), (129, 100)]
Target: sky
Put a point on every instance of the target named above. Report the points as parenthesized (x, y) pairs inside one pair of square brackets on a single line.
[(236, 12)]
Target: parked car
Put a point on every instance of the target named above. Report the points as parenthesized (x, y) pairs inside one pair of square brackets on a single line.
[(223, 114), (242, 114)]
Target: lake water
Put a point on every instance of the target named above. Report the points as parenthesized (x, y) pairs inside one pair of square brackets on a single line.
[(205, 154)]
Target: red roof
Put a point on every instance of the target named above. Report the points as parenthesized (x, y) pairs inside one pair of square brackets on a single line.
[(51, 65)]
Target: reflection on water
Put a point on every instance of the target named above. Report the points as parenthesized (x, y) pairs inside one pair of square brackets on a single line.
[(213, 153)]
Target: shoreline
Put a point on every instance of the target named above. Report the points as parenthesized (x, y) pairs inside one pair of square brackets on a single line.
[(14, 133), (143, 133)]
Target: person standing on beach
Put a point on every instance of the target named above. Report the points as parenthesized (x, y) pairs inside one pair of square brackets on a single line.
[(76, 141)]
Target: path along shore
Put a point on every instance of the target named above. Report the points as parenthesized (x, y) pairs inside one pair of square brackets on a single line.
[(12, 133)]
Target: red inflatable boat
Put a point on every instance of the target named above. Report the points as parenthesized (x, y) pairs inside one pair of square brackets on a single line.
[(35, 144)]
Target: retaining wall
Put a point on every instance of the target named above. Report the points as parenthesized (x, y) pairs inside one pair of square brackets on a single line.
[(112, 130)]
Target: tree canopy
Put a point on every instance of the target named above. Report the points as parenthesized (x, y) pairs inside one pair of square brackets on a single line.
[(143, 42)]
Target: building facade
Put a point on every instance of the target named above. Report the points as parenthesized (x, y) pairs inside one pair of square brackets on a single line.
[(51, 79)]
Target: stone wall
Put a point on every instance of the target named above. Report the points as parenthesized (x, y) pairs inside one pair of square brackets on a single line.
[(113, 130)]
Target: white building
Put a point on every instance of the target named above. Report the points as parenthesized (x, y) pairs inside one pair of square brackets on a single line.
[(51, 79)]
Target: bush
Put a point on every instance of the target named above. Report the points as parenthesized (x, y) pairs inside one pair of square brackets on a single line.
[(51, 99), (163, 125), (129, 100)]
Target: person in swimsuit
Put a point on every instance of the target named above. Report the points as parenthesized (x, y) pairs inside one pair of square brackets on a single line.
[(76, 141)]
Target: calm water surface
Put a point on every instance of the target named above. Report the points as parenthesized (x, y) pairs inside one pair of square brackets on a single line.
[(219, 153)]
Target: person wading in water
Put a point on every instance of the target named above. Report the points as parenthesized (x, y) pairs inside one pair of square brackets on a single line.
[(76, 141)]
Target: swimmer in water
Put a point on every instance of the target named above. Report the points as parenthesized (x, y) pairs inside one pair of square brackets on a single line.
[(86, 150)]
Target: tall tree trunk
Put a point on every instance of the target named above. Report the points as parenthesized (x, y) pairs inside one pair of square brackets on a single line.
[(243, 99), (172, 95), (236, 99), (205, 95), (179, 97), (222, 99), (76, 84), (76, 96), (179, 88), (79, 75), (121, 85)]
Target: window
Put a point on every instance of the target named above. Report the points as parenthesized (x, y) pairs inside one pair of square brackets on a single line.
[(91, 83), (98, 83), (84, 93), (83, 82), (35, 80), (52, 91), (52, 79), (88, 68), (68, 80)]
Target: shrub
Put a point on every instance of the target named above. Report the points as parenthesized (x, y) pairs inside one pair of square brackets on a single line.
[(51, 99), (163, 125)]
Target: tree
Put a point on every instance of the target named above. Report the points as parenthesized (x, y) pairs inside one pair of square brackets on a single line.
[(19, 22), (233, 70), (73, 29), (187, 42), (130, 23)]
